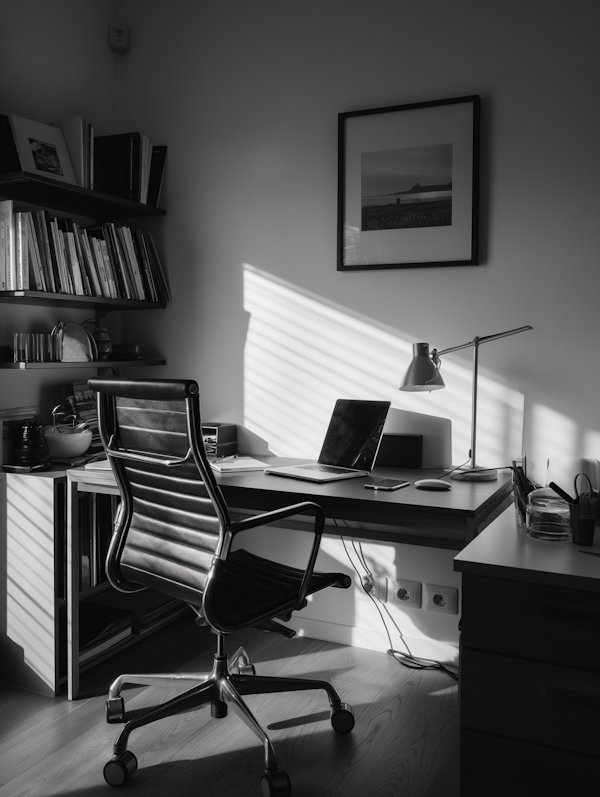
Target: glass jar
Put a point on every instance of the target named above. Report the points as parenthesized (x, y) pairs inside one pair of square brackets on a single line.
[(548, 516)]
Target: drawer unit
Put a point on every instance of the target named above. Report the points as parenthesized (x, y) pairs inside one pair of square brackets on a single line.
[(529, 666), (534, 620)]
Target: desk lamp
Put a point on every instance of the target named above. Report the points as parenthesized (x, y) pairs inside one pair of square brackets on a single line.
[(424, 374)]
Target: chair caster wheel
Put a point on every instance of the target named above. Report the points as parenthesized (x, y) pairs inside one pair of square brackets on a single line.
[(120, 768), (275, 784), (115, 709), (342, 718), (246, 669)]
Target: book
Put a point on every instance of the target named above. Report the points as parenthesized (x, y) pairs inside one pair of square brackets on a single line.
[(157, 171), (21, 253), (235, 464), (147, 608), (51, 259), (41, 234), (6, 222), (101, 627), (117, 165), (35, 260)]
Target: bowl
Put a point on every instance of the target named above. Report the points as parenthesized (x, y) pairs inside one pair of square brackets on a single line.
[(65, 444)]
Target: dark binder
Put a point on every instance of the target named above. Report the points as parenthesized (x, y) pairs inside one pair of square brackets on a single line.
[(117, 165)]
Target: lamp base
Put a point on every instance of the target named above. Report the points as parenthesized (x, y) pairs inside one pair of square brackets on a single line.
[(475, 474)]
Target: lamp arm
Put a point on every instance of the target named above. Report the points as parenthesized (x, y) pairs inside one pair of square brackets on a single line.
[(478, 341), (475, 343)]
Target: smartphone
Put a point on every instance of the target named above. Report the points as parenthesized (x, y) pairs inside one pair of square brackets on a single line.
[(386, 484)]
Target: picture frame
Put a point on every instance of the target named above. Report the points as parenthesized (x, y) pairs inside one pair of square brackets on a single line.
[(408, 186), (42, 150)]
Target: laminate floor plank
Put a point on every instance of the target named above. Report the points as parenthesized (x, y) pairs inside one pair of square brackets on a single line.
[(404, 744)]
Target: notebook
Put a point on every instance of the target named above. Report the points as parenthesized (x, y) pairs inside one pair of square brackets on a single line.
[(350, 446)]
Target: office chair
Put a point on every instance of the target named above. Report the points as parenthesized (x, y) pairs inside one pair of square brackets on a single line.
[(173, 533)]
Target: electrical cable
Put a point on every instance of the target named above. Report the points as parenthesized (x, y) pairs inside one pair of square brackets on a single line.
[(406, 659)]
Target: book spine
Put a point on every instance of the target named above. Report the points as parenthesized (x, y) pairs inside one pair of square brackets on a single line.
[(122, 278), (86, 259), (6, 207), (22, 253), (132, 258), (50, 251), (144, 259), (34, 255), (112, 285), (99, 260), (42, 240), (58, 246), (2, 254), (157, 268)]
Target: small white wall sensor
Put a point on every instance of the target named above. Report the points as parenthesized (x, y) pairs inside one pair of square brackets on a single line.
[(118, 37)]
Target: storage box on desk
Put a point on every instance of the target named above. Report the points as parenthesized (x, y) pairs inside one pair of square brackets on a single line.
[(400, 451), (220, 439)]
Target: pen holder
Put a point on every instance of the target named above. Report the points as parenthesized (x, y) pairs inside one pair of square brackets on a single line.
[(583, 515)]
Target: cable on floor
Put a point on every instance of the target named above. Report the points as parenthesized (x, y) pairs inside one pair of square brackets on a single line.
[(406, 659)]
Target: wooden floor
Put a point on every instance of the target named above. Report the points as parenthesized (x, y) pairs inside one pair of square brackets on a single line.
[(404, 744)]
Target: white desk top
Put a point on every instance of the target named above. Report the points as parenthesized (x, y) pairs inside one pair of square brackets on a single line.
[(503, 550)]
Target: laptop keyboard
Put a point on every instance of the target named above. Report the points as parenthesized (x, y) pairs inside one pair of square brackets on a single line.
[(326, 468)]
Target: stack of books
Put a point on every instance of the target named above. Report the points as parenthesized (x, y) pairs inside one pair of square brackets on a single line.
[(57, 255), (101, 627), (127, 165), (147, 609)]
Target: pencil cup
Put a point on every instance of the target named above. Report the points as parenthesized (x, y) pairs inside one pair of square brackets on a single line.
[(583, 522)]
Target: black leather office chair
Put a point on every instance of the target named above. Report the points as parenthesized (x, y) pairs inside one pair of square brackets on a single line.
[(173, 533)]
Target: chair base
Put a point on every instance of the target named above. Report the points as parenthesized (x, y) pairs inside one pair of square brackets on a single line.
[(223, 687)]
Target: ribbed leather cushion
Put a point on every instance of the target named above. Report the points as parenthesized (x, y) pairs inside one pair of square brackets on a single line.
[(174, 529), (249, 586)]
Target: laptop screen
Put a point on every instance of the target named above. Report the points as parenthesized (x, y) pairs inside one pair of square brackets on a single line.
[(354, 434)]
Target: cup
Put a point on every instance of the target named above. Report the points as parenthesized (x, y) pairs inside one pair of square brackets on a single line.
[(21, 344), (583, 523)]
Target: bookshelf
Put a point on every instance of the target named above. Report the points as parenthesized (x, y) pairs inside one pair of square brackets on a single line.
[(39, 192), (39, 586), (34, 641), (33, 189)]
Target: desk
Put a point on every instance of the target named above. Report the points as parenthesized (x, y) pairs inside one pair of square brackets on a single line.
[(529, 665), (437, 519)]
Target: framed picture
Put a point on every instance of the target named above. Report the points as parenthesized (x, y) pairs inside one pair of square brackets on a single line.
[(42, 150), (408, 185)]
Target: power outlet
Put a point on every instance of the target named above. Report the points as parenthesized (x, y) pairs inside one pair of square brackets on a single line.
[(378, 587), (441, 599), (406, 593)]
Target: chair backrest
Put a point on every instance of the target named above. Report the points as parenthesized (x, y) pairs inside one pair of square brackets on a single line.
[(173, 518)]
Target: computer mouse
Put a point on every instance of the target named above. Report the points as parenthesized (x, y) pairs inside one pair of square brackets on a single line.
[(433, 484)]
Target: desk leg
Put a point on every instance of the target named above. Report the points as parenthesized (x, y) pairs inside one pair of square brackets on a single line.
[(72, 589)]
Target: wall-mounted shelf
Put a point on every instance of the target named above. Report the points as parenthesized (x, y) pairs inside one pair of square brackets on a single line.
[(72, 300), (27, 366), (37, 190)]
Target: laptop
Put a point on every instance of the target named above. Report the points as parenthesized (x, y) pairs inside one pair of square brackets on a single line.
[(350, 446)]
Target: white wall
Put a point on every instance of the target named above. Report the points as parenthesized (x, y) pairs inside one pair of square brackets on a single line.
[(246, 93)]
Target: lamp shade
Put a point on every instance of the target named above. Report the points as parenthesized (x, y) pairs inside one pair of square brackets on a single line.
[(422, 374)]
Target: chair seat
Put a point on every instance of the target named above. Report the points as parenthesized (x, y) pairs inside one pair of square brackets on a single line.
[(250, 586)]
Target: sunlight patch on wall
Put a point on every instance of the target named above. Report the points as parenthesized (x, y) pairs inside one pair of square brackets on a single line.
[(554, 438), (304, 352), (591, 444)]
